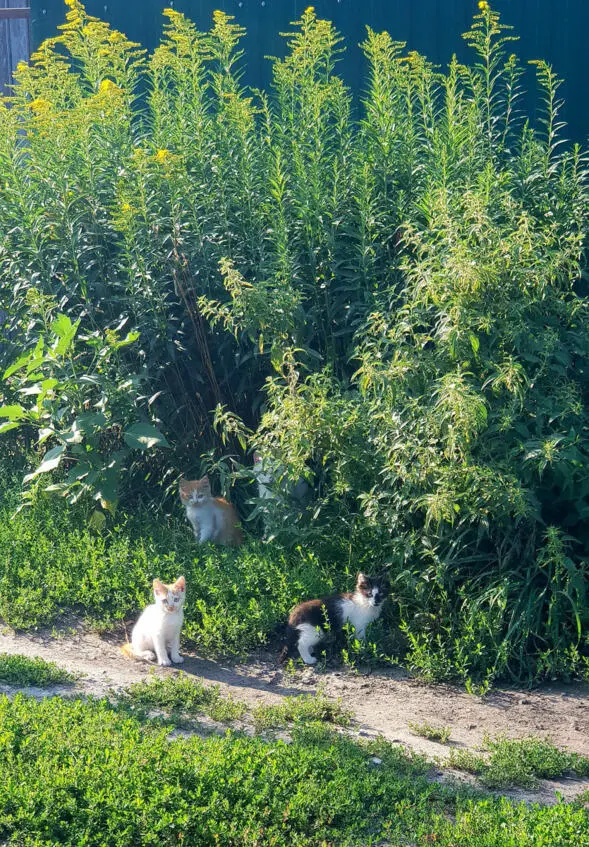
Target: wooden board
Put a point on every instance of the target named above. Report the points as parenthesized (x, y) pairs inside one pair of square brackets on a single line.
[(14, 40)]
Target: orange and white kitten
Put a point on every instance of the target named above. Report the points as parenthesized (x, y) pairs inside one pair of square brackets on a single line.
[(158, 629), (212, 518)]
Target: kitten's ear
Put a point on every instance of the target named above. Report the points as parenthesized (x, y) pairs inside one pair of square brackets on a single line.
[(159, 587), (361, 578), (180, 584), (204, 485)]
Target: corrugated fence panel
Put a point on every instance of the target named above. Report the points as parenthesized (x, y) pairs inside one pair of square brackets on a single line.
[(554, 30), (14, 42)]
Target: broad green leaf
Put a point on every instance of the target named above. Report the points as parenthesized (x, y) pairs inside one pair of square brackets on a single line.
[(73, 436), (14, 412), (107, 491), (50, 461), (17, 366), (97, 520), (89, 421), (143, 436), (9, 425), (78, 472), (65, 331)]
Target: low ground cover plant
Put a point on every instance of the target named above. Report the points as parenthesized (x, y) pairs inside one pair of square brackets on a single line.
[(316, 708), (182, 696), (185, 696), (434, 733), (519, 762), (82, 771), (22, 670)]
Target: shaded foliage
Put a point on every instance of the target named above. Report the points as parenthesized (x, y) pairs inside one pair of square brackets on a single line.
[(391, 308)]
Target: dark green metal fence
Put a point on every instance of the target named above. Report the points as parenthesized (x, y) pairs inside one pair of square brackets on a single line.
[(555, 30)]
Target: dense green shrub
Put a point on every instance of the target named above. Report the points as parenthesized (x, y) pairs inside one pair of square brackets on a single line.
[(389, 303)]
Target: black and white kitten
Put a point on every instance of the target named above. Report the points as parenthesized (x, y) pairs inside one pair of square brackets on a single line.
[(309, 621)]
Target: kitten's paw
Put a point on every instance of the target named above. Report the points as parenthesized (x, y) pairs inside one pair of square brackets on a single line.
[(164, 662), (177, 660)]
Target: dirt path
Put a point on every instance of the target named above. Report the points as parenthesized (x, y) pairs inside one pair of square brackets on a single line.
[(384, 703)]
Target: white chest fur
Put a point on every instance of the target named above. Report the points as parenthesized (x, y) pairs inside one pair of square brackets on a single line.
[(202, 518), (359, 613), (158, 632)]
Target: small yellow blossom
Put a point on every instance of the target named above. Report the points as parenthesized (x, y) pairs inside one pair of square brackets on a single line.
[(126, 208), (483, 6), (40, 105), (107, 86), (162, 156)]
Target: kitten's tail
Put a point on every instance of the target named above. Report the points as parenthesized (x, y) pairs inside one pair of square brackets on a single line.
[(291, 637), (127, 650)]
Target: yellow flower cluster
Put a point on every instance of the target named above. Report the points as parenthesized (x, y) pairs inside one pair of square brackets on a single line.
[(108, 87), (40, 106), (484, 6), (162, 156)]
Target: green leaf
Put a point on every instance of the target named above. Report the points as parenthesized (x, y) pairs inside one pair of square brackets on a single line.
[(13, 413), (107, 490), (9, 425), (31, 390), (16, 366), (130, 338), (88, 422), (50, 461), (97, 520), (65, 331), (143, 436), (45, 433)]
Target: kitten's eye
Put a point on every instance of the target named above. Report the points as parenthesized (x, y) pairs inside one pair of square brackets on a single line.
[(176, 599)]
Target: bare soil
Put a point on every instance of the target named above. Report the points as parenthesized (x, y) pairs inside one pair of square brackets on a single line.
[(384, 702)]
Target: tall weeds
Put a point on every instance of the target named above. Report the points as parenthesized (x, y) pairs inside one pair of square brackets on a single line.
[(392, 307)]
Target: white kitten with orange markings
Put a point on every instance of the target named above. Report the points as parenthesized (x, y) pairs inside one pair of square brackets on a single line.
[(212, 518), (158, 629)]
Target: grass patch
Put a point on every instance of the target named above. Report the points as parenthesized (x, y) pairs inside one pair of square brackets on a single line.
[(306, 708), (20, 670), (51, 563), (434, 733), (85, 772), (183, 695), (519, 762)]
